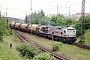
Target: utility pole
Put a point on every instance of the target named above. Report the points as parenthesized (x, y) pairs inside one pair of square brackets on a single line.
[(82, 39), (69, 11), (31, 12), (6, 15), (69, 7), (26, 18), (57, 9), (0, 10), (31, 16), (6, 12), (31, 7)]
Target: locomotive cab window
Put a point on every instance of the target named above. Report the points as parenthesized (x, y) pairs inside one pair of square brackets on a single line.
[(61, 32), (64, 31), (44, 29), (59, 28)]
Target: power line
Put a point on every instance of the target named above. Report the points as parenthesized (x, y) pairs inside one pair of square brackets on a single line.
[(31, 7)]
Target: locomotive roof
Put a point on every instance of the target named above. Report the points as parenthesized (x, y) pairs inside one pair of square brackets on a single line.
[(70, 28)]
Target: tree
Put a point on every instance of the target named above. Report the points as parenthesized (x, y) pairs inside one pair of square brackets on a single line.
[(52, 23), (86, 25), (25, 19), (41, 14), (77, 27), (54, 18), (59, 20), (87, 22), (44, 21), (70, 21), (34, 18)]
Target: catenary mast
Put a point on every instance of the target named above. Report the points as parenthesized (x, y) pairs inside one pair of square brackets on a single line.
[(82, 21)]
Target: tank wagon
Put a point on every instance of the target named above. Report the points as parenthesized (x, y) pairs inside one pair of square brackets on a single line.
[(60, 33)]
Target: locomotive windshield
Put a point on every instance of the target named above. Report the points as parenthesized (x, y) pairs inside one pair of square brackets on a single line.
[(44, 29), (70, 30)]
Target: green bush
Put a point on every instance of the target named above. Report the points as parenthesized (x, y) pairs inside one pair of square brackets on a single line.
[(56, 46), (27, 49), (81, 42), (4, 28), (44, 56)]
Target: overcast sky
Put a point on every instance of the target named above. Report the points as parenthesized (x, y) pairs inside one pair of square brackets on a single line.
[(19, 8)]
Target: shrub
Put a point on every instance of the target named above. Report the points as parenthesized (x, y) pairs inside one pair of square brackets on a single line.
[(27, 49), (56, 46), (44, 56), (81, 42)]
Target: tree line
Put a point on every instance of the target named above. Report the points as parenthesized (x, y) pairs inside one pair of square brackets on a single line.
[(40, 18), (57, 20)]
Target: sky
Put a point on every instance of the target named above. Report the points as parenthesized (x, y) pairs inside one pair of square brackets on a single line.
[(19, 8)]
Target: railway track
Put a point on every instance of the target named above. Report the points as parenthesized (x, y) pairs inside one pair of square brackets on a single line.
[(56, 55), (82, 46), (78, 45)]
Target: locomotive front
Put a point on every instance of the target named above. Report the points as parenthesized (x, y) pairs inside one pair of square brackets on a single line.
[(69, 34)]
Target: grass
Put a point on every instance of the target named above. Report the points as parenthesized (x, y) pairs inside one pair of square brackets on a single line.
[(42, 41), (87, 37), (10, 54), (72, 52)]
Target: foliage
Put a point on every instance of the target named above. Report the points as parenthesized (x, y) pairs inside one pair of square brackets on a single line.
[(56, 46), (70, 21), (4, 28), (86, 25), (54, 18), (9, 54), (52, 23), (40, 18), (27, 49), (44, 56), (87, 22), (44, 21), (25, 19), (71, 52), (60, 20), (77, 27), (34, 18), (82, 42)]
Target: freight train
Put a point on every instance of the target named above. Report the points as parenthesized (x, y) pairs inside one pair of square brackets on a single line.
[(64, 34)]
